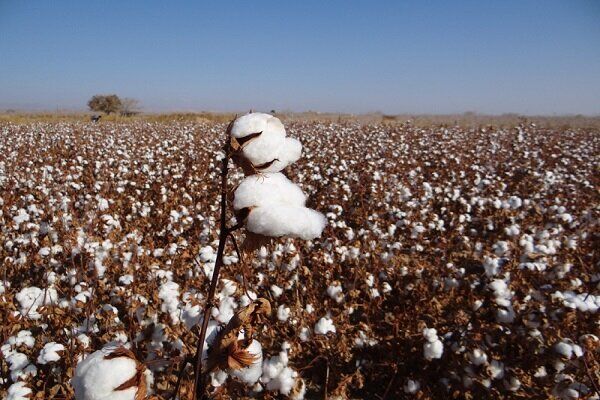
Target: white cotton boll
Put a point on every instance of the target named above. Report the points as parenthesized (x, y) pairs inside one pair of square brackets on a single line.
[(18, 391), (288, 221), (277, 375), (433, 350), (304, 334), (411, 387), (513, 384), (496, 369), (218, 378), (478, 357), (23, 337), (248, 298), (288, 153), (433, 347), (283, 313), (324, 326), (336, 292), (491, 266), (19, 365), (169, 296), (102, 204), (50, 353), (211, 335), (256, 122), (250, 375), (267, 189), (270, 147), (264, 149), (276, 291), (567, 348), (226, 309), (100, 373), (30, 298)]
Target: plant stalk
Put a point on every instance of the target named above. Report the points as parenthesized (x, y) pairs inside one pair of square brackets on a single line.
[(223, 232)]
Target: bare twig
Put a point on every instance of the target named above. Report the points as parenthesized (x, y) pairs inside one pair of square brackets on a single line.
[(223, 232)]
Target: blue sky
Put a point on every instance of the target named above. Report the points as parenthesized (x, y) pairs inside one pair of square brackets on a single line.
[(531, 57)]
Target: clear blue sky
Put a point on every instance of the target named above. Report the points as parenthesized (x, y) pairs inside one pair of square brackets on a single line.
[(533, 57)]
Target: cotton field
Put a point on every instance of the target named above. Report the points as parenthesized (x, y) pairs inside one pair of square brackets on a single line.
[(454, 263)]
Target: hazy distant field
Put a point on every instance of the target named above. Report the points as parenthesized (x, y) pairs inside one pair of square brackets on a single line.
[(489, 235)]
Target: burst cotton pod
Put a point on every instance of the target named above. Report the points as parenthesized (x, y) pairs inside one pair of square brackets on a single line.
[(261, 145), (110, 373), (273, 206), (282, 220), (267, 189)]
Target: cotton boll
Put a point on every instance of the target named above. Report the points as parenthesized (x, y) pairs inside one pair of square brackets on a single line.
[(288, 153), (218, 378), (496, 369), (304, 334), (50, 353), (513, 384), (99, 375), (478, 357), (324, 326), (411, 386), (264, 150), (19, 391), (31, 298), (257, 122), (336, 292), (288, 221), (283, 313), (267, 189), (277, 375), (252, 373), (433, 347), (491, 266), (211, 335)]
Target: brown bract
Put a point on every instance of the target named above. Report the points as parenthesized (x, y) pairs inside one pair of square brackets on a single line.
[(227, 351)]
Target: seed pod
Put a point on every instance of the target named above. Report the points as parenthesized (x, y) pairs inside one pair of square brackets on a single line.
[(110, 373)]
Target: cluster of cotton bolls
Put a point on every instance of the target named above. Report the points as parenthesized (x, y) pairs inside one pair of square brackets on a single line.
[(108, 233), (270, 203)]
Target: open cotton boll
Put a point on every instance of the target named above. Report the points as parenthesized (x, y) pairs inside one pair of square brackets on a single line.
[(324, 326), (433, 346), (263, 148), (32, 298), (288, 153), (267, 189), (107, 374), (278, 375), (18, 391), (250, 375), (50, 353), (288, 221), (257, 122), (211, 335)]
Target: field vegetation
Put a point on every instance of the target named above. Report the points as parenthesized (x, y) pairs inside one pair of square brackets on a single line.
[(460, 257)]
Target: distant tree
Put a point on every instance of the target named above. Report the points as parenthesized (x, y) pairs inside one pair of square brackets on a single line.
[(107, 104), (129, 107)]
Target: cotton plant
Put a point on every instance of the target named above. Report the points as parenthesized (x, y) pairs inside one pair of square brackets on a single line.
[(267, 205)]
